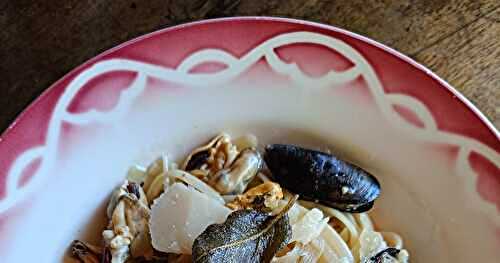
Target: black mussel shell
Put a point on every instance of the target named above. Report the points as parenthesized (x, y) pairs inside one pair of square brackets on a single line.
[(322, 177), (197, 160), (388, 252)]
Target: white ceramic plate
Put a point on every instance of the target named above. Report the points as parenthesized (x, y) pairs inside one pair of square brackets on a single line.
[(286, 81)]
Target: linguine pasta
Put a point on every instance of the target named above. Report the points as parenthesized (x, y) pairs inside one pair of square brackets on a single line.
[(160, 212)]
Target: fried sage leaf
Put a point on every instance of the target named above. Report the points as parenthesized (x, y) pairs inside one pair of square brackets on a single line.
[(246, 236)]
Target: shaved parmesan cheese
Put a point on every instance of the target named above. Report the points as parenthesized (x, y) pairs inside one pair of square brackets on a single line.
[(189, 179), (179, 215), (296, 212), (309, 226), (370, 243)]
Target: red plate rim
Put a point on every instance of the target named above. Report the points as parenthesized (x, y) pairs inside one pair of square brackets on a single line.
[(390, 50)]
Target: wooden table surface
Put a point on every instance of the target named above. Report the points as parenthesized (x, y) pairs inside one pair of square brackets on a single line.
[(40, 41)]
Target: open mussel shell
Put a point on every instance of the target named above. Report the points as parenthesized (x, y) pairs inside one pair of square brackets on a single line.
[(322, 177)]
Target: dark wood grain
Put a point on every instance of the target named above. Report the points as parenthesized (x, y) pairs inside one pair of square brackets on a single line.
[(43, 40), (470, 61)]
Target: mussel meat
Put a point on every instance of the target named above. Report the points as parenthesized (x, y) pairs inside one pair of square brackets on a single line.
[(209, 159), (322, 177), (234, 180)]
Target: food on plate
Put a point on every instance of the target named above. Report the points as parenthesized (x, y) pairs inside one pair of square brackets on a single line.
[(229, 202)]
